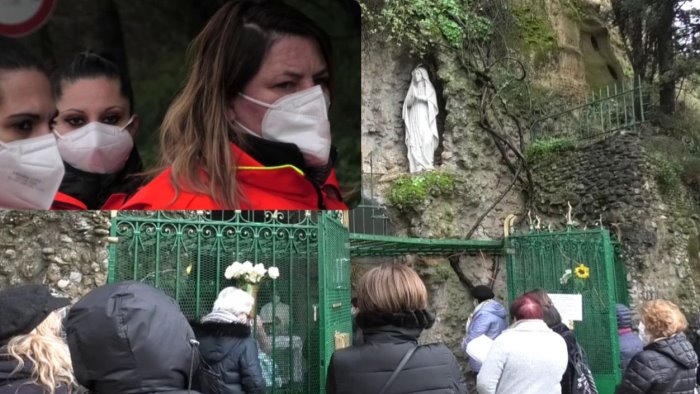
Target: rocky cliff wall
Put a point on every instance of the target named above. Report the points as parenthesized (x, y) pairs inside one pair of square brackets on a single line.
[(65, 250)]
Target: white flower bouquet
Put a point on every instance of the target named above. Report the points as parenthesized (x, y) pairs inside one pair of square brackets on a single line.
[(250, 274)]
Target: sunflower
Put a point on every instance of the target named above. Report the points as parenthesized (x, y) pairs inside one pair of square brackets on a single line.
[(582, 271)]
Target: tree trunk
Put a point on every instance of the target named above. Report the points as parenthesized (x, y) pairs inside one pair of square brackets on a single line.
[(665, 56)]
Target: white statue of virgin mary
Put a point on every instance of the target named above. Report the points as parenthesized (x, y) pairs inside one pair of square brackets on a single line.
[(419, 113)]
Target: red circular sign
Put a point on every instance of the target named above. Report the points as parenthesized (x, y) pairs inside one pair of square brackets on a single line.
[(21, 17)]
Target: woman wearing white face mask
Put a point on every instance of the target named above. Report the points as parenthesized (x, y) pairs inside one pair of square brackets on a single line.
[(95, 129), (668, 363), (30, 164), (250, 129)]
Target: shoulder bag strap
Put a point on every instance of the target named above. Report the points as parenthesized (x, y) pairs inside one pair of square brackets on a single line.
[(398, 369)]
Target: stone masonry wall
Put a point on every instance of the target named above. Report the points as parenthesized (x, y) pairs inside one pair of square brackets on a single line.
[(611, 181), (65, 250)]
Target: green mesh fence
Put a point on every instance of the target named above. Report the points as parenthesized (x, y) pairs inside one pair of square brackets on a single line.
[(540, 260), (186, 253)]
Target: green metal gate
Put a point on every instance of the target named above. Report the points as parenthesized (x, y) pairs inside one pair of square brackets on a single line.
[(539, 260), (185, 254)]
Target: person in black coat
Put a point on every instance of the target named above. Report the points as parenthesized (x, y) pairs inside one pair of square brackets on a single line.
[(129, 337), (392, 300), (30, 329), (227, 346), (667, 364)]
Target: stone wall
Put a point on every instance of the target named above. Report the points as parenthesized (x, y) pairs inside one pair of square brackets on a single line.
[(611, 181), (65, 250)]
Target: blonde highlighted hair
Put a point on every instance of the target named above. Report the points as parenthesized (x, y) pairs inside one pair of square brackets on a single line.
[(225, 56), (48, 354), (391, 288), (663, 319)]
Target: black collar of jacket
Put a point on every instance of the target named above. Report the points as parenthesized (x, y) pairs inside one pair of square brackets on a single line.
[(273, 153), (420, 319), (219, 330), (94, 189)]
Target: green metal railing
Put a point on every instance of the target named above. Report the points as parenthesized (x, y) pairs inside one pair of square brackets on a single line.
[(539, 260), (616, 107), (185, 254)]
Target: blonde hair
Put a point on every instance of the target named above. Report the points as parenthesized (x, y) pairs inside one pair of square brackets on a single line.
[(391, 288), (662, 319), (226, 55), (47, 352)]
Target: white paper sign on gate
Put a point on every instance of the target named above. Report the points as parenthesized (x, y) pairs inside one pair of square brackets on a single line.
[(570, 306)]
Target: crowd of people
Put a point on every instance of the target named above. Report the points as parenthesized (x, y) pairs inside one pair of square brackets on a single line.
[(129, 337), (249, 129)]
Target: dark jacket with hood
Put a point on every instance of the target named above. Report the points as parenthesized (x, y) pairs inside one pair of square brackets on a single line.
[(387, 338), (232, 354), (666, 366), (630, 344), (130, 338), (19, 382)]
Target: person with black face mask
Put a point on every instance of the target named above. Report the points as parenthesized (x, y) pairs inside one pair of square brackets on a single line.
[(95, 131), (250, 128)]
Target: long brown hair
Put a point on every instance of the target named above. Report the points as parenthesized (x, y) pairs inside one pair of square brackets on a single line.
[(226, 55)]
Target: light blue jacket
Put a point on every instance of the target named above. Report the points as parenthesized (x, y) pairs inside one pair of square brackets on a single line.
[(489, 319)]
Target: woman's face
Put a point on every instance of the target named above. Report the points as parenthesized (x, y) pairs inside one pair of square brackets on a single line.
[(292, 64), (26, 105), (93, 100)]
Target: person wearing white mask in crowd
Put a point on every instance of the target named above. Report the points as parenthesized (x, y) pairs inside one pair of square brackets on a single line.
[(30, 164), (95, 129), (250, 128), (668, 362)]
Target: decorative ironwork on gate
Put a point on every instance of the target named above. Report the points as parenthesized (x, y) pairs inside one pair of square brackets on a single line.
[(185, 254)]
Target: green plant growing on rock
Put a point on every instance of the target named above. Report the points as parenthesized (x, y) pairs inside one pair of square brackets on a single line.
[(535, 31), (422, 25), (412, 190), (539, 149), (667, 172)]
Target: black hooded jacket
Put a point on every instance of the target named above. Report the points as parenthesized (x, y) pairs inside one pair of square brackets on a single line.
[(232, 355), (130, 338), (666, 366), (366, 368), (19, 382)]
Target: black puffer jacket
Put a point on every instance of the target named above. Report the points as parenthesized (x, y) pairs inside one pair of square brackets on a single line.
[(232, 354), (387, 338), (130, 338), (666, 366), (17, 382)]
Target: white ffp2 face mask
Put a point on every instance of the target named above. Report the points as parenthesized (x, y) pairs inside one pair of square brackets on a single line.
[(31, 171), (97, 148), (645, 338), (300, 118)]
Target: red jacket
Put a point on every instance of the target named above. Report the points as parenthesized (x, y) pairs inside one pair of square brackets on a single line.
[(64, 202), (263, 188)]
